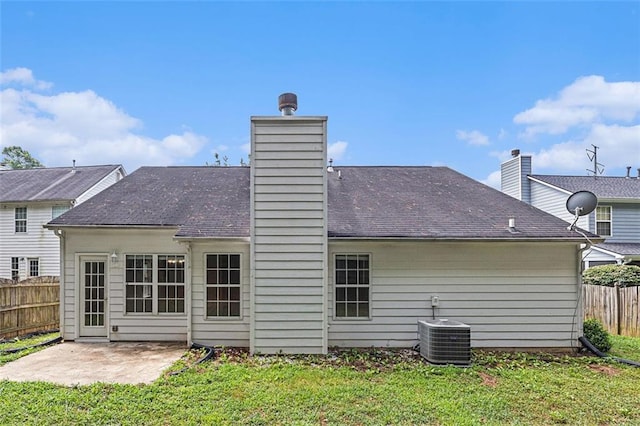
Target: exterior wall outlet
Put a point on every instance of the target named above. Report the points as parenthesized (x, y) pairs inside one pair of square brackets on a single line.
[(435, 301), (114, 328)]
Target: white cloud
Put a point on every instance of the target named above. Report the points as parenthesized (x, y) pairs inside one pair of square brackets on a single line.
[(586, 101), (473, 137), (83, 126), (502, 134), (336, 150), (493, 180), (246, 147), (24, 77)]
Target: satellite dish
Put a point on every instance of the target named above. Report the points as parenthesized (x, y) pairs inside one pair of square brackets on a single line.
[(581, 203)]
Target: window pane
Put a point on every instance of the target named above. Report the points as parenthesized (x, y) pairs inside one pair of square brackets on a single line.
[(234, 309), (363, 309), (223, 309), (212, 277), (223, 277), (234, 293), (363, 277), (223, 293), (234, 277), (352, 309), (341, 277), (352, 262), (212, 309), (341, 262), (212, 261), (341, 309), (340, 294), (235, 261), (212, 293), (352, 277), (352, 294), (223, 261)]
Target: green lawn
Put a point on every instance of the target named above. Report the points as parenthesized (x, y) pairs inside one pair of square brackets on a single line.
[(351, 388)]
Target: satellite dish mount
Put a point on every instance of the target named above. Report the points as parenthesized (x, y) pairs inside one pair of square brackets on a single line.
[(581, 203)]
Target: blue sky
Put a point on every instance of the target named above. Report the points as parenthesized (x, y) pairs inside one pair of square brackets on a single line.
[(412, 83)]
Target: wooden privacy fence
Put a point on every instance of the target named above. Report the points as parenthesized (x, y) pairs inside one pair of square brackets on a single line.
[(615, 307), (29, 306)]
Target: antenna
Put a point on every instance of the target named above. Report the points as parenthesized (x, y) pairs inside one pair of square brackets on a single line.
[(598, 168), (581, 203)]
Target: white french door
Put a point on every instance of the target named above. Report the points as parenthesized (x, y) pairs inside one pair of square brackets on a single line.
[(93, 300)]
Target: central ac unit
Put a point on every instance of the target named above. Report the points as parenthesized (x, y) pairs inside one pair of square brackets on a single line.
[(445, 341)]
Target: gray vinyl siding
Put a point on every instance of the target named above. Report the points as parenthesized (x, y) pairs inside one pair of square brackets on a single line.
[(212, 331), (512, 294), (37, 242), (131, 327), (513, 178), (625, 222), (106, 182), (554, 201), (288, 234)]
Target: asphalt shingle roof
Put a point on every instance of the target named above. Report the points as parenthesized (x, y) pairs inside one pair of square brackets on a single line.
[(51, 183), (201, 201), (610, 187), (429, 202), (366, 202), (625, 249)]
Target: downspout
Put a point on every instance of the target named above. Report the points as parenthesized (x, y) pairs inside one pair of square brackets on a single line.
[(190, 295), (60, 234), (579, 311)]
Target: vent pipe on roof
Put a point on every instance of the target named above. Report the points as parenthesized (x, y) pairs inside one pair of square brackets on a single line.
[(288, 103), (515, 153), (638, 173), (628, 172)]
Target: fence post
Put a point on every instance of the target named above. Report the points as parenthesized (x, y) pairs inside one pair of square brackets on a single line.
[(618, 310)]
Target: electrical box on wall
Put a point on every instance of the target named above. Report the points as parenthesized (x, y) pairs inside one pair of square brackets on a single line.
[(435, 301)]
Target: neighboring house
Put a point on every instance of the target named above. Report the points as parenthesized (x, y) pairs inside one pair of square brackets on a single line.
[(290, 256), (616, 218), (29, 198)]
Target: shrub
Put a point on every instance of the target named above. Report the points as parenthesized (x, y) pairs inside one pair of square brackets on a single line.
[(597, 335), (609, 275)]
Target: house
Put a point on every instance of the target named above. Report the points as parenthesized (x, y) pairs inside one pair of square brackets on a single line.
[(616, 218), (291, 256), (29, 198)]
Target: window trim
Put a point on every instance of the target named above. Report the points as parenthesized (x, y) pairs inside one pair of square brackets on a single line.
[(609, 221), (21, 220), (239, 318), (29, 260), (154, 286), (369, 316), (15, 261)]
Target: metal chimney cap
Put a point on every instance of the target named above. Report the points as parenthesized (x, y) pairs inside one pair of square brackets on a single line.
[(515, 152), (287, 103)]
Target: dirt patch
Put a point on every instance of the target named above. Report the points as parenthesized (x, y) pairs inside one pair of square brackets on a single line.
[(488, 380), (604, 369)]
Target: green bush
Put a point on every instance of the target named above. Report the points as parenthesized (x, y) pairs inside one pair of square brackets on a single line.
[(596, 334), (609, 275)]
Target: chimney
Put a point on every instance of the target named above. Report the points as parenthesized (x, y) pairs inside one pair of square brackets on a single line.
[(288, 103), (515, 153), (628, 172), (288, 231)]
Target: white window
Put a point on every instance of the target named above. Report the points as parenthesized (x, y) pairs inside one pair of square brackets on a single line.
[(223, 285), (34, 267), (352, 285), (15, 268), (21, 219), (154, 283), (603, 221), (58, 210)]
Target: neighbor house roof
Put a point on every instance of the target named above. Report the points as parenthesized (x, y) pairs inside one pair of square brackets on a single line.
[(607, 187), (624, 249), (363, 202), (50, 183)]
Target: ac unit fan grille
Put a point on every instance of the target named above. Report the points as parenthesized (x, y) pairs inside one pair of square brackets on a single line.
[(445, 342)]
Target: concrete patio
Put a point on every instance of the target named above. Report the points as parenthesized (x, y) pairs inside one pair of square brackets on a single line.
[(73, 363)]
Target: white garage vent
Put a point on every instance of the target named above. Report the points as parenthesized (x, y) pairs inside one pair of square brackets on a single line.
[(445, 341)]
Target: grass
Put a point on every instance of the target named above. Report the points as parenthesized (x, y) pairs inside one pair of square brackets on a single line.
[(350, 387), (625, 347), (23, 343)]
